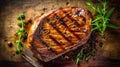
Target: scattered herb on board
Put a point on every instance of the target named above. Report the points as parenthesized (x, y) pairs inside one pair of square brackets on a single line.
[(21, 34), (100, 22)]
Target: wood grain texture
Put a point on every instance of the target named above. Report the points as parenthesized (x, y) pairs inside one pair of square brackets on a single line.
[(9, 10)]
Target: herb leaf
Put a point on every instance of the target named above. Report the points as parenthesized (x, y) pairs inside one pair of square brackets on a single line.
[(109, 12), (18, 51), (111, 26), (16, 41), (91, 6), (97, 19), (21, 16), (20, 45), (99, 9)]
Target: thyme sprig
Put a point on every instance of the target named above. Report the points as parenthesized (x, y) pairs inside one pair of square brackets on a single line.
[(21, 34)]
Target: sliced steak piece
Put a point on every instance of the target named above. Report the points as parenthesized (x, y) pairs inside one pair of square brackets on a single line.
[(60, 31)]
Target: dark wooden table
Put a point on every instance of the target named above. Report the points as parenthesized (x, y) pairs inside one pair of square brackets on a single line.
[(108, 56)]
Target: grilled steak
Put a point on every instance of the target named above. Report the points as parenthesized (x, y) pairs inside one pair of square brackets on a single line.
[(60, 31)]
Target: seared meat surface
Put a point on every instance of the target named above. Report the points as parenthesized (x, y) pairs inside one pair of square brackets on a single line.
[(60, 31)]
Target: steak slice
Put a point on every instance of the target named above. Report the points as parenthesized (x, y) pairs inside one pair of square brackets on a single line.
[(60, 31)]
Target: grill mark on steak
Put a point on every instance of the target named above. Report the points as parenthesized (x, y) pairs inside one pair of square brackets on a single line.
[(36, 38), (43, 50), (61, 20), (46, 45), (75, 21), (70, 18), (61, 32), (56, 42), (49, 45)]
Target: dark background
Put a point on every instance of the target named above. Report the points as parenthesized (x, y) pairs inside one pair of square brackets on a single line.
[(108, 56)]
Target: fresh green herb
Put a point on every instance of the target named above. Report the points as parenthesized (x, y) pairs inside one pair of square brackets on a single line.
[(79, 56), (20, 24), (84, 56), (91, 5), (101, 21), (21, 33), (25, 21), (21, 16), (102, 18), (24, 36), (18, 51)]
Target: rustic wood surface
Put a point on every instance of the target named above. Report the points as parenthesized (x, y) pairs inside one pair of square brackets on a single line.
[(108, 56)]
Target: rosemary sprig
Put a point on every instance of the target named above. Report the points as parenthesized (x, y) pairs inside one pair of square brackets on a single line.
[(84, 56), (100, 22), (21, 33), (102, 18)]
